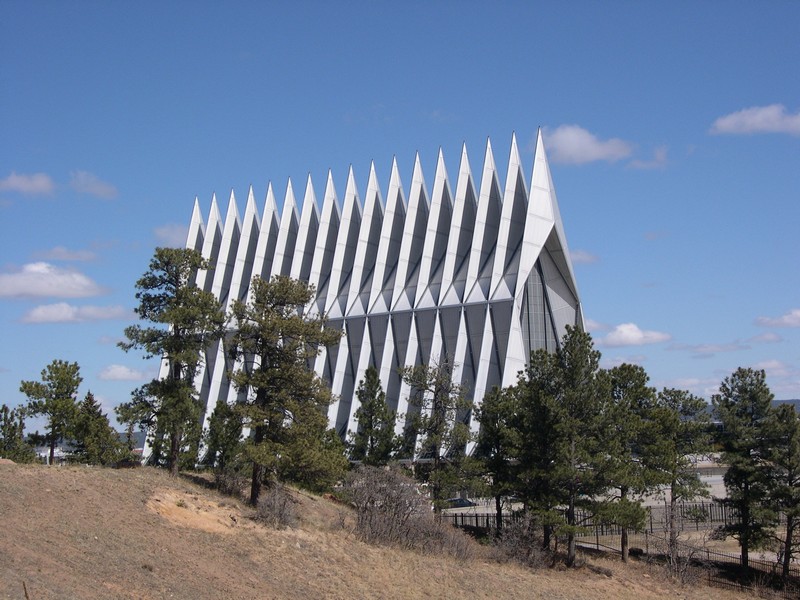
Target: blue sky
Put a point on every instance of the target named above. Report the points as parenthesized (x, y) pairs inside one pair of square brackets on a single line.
[(673, 132)]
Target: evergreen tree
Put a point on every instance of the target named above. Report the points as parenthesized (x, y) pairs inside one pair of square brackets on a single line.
[(627, 474), (438, 426), (185, 321), (783, 456), (374, 440), (273, 342), (223, 438), (55, 398), (96, 442), (12, 435), (679, 433), (497, 445), (563, 413), (743, 406)]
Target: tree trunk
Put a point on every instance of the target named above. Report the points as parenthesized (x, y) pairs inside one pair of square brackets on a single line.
[(624, 530), (672, 528), (787, 548), (744, 540), (174, 452), (258, 470), (624, 542), (52, 450), (571, 546), (498, 507)]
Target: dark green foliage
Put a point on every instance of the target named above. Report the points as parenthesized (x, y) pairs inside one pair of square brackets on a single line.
[(626, 440), (374, 441), (563, 412), (743, 408), (678, 434), (274, 341), (783, 456), (12, 435), (55, 398), (223, 438), (185, 321), (439, 425), (96, 442), (497, 445)]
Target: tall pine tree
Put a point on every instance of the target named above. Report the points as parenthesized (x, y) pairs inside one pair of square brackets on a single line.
[(374, 441), (273, 342), (743, 407), (55, 398), (184, 320)]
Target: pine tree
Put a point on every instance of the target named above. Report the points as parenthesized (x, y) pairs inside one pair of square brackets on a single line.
[(498, 445), (627, 474), (185, 321), (223, 439), (563, 413), (12, 435), (96, 442), (438, 426), (273, 342), (678, 430), (55, 398), (374, 440), (783, 456), (743, 406)]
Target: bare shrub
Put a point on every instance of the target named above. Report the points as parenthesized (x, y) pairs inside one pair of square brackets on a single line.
[(276, 507), (391, 510), (230, 482), (521, 541)]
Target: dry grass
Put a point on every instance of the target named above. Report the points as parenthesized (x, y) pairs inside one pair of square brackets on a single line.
[(89, 533)]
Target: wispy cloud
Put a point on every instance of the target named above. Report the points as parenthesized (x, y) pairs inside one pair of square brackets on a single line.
[(41, 279), (36, 184), (581, 257), (790, 319), (768, 337), (592, 325), (172, 236), (707, 350), (659, 160), (62, 312), (572, 144), (121, 373), (63, 253), (776, 368), (652, 236), (758, 119), (629, 334), (87, 183), (615, 361)]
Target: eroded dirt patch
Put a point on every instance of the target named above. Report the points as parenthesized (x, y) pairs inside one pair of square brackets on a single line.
[(188, 509)]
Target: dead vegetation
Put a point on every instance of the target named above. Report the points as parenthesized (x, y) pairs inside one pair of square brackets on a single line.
[(78, 532)]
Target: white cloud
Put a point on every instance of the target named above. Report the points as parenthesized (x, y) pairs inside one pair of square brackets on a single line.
[(581, 257), (41, 279), (767, 337), (775, 368), (87, 183), (629, 334), (790, 319), (759, 119), (62, 312), (615, 361), (659, 160), (706, 350), (572, 144), (62, 253), (121, 373), (172, 236), (592, 325), (33, 185)]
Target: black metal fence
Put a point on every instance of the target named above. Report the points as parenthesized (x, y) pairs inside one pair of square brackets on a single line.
[(721, 569)]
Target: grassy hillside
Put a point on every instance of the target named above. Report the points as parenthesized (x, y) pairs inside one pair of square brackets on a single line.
[(80, 532)]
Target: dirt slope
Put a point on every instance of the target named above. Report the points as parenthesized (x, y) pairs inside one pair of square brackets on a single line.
[(82, 532)]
